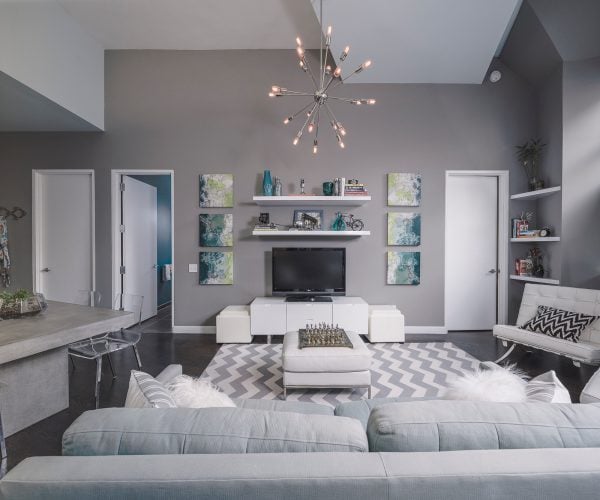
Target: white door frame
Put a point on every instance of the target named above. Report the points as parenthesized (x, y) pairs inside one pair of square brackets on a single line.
[(115, 191), (36, 175), (503, 232)]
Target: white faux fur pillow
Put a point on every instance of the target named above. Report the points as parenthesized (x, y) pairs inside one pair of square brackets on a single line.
[(504, 385), (190, 392)]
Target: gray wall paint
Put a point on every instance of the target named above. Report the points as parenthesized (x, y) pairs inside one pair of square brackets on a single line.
[(207, 112), (581, 174)]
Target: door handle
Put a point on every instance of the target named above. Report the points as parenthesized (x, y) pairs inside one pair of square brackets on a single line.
[(45, 270), (493, 271), (155, 266)]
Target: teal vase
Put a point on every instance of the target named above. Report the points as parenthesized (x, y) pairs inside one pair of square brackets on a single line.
[(267, 183), (338, 223)]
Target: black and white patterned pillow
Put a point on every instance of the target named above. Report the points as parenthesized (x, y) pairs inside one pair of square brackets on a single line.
[(559, 323)]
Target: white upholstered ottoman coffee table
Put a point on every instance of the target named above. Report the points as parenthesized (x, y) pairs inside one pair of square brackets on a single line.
[(326, 367)]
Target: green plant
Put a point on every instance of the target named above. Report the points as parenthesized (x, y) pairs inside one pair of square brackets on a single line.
[(13, 298), (529, 155)]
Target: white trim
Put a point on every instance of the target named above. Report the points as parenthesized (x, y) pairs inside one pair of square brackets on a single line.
[(503, 237), (199, 330), (426, 330), (115, 209), (36, 226)]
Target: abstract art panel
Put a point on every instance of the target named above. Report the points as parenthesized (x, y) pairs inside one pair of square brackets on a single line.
[(216, 230), (404, 229), (404, 190), (403, 268), (216, 268), (216, 191)]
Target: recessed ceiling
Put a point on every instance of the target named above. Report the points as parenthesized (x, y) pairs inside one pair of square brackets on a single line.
[(196, 24), (409, 41)]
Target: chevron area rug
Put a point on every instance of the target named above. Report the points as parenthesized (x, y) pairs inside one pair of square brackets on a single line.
[(408, 370)]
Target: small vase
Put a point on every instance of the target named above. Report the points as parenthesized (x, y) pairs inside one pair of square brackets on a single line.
[(535, 183), (338, 223), (278, 187), (267, 183)]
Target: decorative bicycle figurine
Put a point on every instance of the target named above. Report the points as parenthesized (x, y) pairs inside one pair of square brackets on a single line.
[(345, 221)]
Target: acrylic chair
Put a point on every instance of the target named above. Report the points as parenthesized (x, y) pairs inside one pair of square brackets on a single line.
[(104, 344)]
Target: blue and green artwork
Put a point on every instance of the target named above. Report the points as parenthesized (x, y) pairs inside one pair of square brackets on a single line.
[(404, 190), (403, 268), (216, 268), (216, 230), (404, 228), (216, 190)]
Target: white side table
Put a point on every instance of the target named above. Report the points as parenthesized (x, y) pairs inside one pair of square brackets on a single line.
[(386, 324), (233, 325)]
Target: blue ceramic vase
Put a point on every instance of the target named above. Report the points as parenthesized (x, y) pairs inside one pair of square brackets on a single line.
[(267, 183)]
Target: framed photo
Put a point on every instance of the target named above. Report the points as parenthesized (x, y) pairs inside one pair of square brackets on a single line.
[(404, 190), (403, 268), (216, 230), (313, 221), (216, 190), (216, 268), (404, 228)]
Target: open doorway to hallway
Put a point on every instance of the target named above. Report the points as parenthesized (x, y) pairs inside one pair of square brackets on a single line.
[(142, 216)]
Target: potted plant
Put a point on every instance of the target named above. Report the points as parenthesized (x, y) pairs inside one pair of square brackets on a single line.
[(529, 156), (18, 304)]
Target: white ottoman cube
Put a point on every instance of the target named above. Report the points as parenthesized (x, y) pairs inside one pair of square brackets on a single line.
[(326, 367), (386, 324), (233, 325)]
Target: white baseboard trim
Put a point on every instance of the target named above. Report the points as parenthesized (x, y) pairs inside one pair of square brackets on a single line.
[(195, 330), (426, 330)]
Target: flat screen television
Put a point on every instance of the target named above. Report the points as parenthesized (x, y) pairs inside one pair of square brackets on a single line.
[(309, 272)]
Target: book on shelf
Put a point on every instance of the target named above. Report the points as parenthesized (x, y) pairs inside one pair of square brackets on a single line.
[(357, 193), (265, 227)]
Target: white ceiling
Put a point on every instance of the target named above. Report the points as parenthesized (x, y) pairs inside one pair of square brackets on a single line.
[(409, 41)]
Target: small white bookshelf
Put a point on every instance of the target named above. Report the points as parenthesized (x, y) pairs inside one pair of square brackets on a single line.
[(537, 239), (535, 195), (311, 234), (311, 201), (533, 279)]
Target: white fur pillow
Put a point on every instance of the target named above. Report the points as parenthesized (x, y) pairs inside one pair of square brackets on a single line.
[(190, 392), (503, 385)]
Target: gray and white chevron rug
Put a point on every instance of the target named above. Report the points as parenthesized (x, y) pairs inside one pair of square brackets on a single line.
[(409, 370)]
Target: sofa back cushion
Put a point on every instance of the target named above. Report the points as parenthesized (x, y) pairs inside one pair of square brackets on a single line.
[(480, 425), (143, 431), (579, 300)]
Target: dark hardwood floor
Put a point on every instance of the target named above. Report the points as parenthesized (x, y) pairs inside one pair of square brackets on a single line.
[(159, 348)]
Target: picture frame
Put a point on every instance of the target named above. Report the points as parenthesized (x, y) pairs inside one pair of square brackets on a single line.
[(311, 212)]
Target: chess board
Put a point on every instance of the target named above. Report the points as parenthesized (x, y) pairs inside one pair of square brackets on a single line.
[(323, 336)]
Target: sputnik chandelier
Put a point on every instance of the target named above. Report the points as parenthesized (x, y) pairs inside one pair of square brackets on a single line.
[(325, 81)]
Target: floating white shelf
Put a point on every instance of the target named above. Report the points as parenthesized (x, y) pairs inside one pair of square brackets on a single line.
[(310, 201), (313, 234), (535, 240), (533, 279), (534, 195)]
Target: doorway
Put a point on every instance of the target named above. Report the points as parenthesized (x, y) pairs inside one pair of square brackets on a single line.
[(142, 221), (476, 249), (63, 233)]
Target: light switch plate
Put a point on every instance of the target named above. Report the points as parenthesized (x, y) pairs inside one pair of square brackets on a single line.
[(193, 268)]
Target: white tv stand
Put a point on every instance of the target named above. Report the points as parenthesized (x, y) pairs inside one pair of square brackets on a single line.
[(274, 316)]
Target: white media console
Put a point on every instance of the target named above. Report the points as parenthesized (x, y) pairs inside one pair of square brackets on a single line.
[(274, 316)]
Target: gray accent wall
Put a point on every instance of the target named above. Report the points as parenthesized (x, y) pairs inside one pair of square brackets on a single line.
[(581, 174), (208, 112)]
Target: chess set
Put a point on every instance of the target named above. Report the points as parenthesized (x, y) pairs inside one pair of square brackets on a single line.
[(323, 335)]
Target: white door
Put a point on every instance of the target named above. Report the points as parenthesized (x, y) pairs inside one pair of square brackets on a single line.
[(64, 234), (139, 218), (471, 252)]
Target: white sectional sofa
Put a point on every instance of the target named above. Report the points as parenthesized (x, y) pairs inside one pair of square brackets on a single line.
[(581, 300)]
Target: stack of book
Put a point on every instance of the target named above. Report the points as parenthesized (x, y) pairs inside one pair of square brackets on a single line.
[(265, 227), (355, 190)]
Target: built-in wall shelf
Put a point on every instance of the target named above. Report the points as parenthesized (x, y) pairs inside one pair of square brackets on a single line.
[(537, 239), (534, 195), (311, 201), (312, 234), (533, 279)]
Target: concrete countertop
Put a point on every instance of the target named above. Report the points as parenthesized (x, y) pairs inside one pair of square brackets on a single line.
[(58, 326)]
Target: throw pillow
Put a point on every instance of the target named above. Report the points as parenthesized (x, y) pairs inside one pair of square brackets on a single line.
[(502, 385), (559, 323), (547, 388), (591, 391), (189, 392), (147, 392)]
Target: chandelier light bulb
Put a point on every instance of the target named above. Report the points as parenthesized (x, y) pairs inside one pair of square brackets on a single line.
[(337, 72), (345, 53), (300, 52), (328, 70), (298, 41), (342, 145), (371, 101), (296, 141), (271, 94), (366, 64), (315, 147), (311, 127), (329, 29), (288, 120), (276, 89)]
